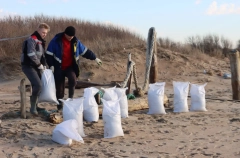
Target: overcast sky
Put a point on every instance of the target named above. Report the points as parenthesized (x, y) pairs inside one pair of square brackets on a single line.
[(175, 19)]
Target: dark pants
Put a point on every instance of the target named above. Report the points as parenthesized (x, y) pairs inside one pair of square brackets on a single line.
[(59, 76), (34, 77)]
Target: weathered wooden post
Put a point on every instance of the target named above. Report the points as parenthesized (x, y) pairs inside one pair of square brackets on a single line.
[(235, 74), (154, 66), (130, 78), (22, 90)]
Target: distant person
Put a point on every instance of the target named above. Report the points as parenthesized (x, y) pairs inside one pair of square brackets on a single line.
[(33, 63), (62, 56)]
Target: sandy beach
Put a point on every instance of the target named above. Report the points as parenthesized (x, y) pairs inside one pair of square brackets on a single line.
[(214, 133)]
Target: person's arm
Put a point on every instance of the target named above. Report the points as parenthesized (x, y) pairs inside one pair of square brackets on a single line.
[(31, 52), (85, 52), (50, 54)]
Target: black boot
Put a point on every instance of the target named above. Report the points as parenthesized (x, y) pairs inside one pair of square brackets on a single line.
[(60, 106), (33, 102)]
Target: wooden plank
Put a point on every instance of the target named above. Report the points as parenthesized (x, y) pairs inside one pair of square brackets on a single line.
[(22, 90), (85, 84), (235, 74)]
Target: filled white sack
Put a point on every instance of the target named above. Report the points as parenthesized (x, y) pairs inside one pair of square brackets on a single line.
[(198, 101), (48, 92), (180, 103), (156, 98), (90, 106), (121, 92), (112, 119), (73, 109), (65, 132), (110, 94)]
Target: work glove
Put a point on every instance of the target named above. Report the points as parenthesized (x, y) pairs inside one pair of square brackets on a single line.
[(52, 68), (41, 68), (99, 62)]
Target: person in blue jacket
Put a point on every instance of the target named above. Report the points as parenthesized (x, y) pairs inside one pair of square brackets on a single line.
[(62, 57)]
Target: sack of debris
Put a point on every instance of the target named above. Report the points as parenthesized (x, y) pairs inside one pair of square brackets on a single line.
[(156, 98), (123, 101), (73, 109), (90, 106), (180, 99), (110, 94), (48, 92), (65, 132), (112, 119), (198, 101)]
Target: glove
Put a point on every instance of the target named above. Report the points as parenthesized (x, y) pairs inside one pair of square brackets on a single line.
[(99, 62), (41, 67), (52, 68)]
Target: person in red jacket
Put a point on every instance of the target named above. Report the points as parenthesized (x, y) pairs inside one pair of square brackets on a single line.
[(62, 55)]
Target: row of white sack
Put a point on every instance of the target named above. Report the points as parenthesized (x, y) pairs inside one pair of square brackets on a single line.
[(90, 106), (72, 126), (180, 100)]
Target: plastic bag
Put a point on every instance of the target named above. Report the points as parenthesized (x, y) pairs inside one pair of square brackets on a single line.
[(156, 98), (180, 103), (121, 92), (112, 119), (198, 101), (65, 132), (73, 109), (48, 92), (90, 106)]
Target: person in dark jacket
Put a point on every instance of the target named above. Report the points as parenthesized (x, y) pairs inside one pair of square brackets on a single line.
[(62, 57), (33, 63)]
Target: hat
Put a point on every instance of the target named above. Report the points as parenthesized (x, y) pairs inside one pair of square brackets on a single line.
[(70, 31)]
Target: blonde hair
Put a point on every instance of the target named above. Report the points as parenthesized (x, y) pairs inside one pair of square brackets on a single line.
[(44, 25)]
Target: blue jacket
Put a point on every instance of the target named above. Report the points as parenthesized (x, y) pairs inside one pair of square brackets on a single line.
[(55, 50)]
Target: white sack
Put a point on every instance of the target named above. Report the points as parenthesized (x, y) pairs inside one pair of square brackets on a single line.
[(48, 92), (73, 109), (112, 119), (180, 103), (90, 106), (198, 101), (110, 94), (121, 92), (65, 132), (156, 98)]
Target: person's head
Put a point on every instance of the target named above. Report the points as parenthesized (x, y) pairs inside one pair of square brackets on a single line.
[(43, 29), (69, 32)]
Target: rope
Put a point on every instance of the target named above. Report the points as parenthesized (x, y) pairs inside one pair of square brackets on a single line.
[(12, 38)]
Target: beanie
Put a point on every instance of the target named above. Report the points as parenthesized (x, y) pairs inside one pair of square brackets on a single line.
[(70, 31)]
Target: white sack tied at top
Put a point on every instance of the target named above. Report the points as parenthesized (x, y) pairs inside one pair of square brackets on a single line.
[(156, 98), (73, 109), (198, 101), (90, 106), (180, 103), (112, 119), (65, 132), (121, 92), (48, 92)]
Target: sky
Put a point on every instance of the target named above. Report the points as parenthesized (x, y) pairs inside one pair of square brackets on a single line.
[(174, 19)]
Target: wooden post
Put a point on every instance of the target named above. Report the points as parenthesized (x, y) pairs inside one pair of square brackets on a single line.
[(235, 74), (130, 78), (22, 89), (154, 67)]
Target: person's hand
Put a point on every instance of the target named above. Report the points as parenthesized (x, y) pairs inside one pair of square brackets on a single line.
[(99, 62), (52, 68), (41, 67)]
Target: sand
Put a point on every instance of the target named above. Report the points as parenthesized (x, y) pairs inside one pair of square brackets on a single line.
[(214, 133)]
